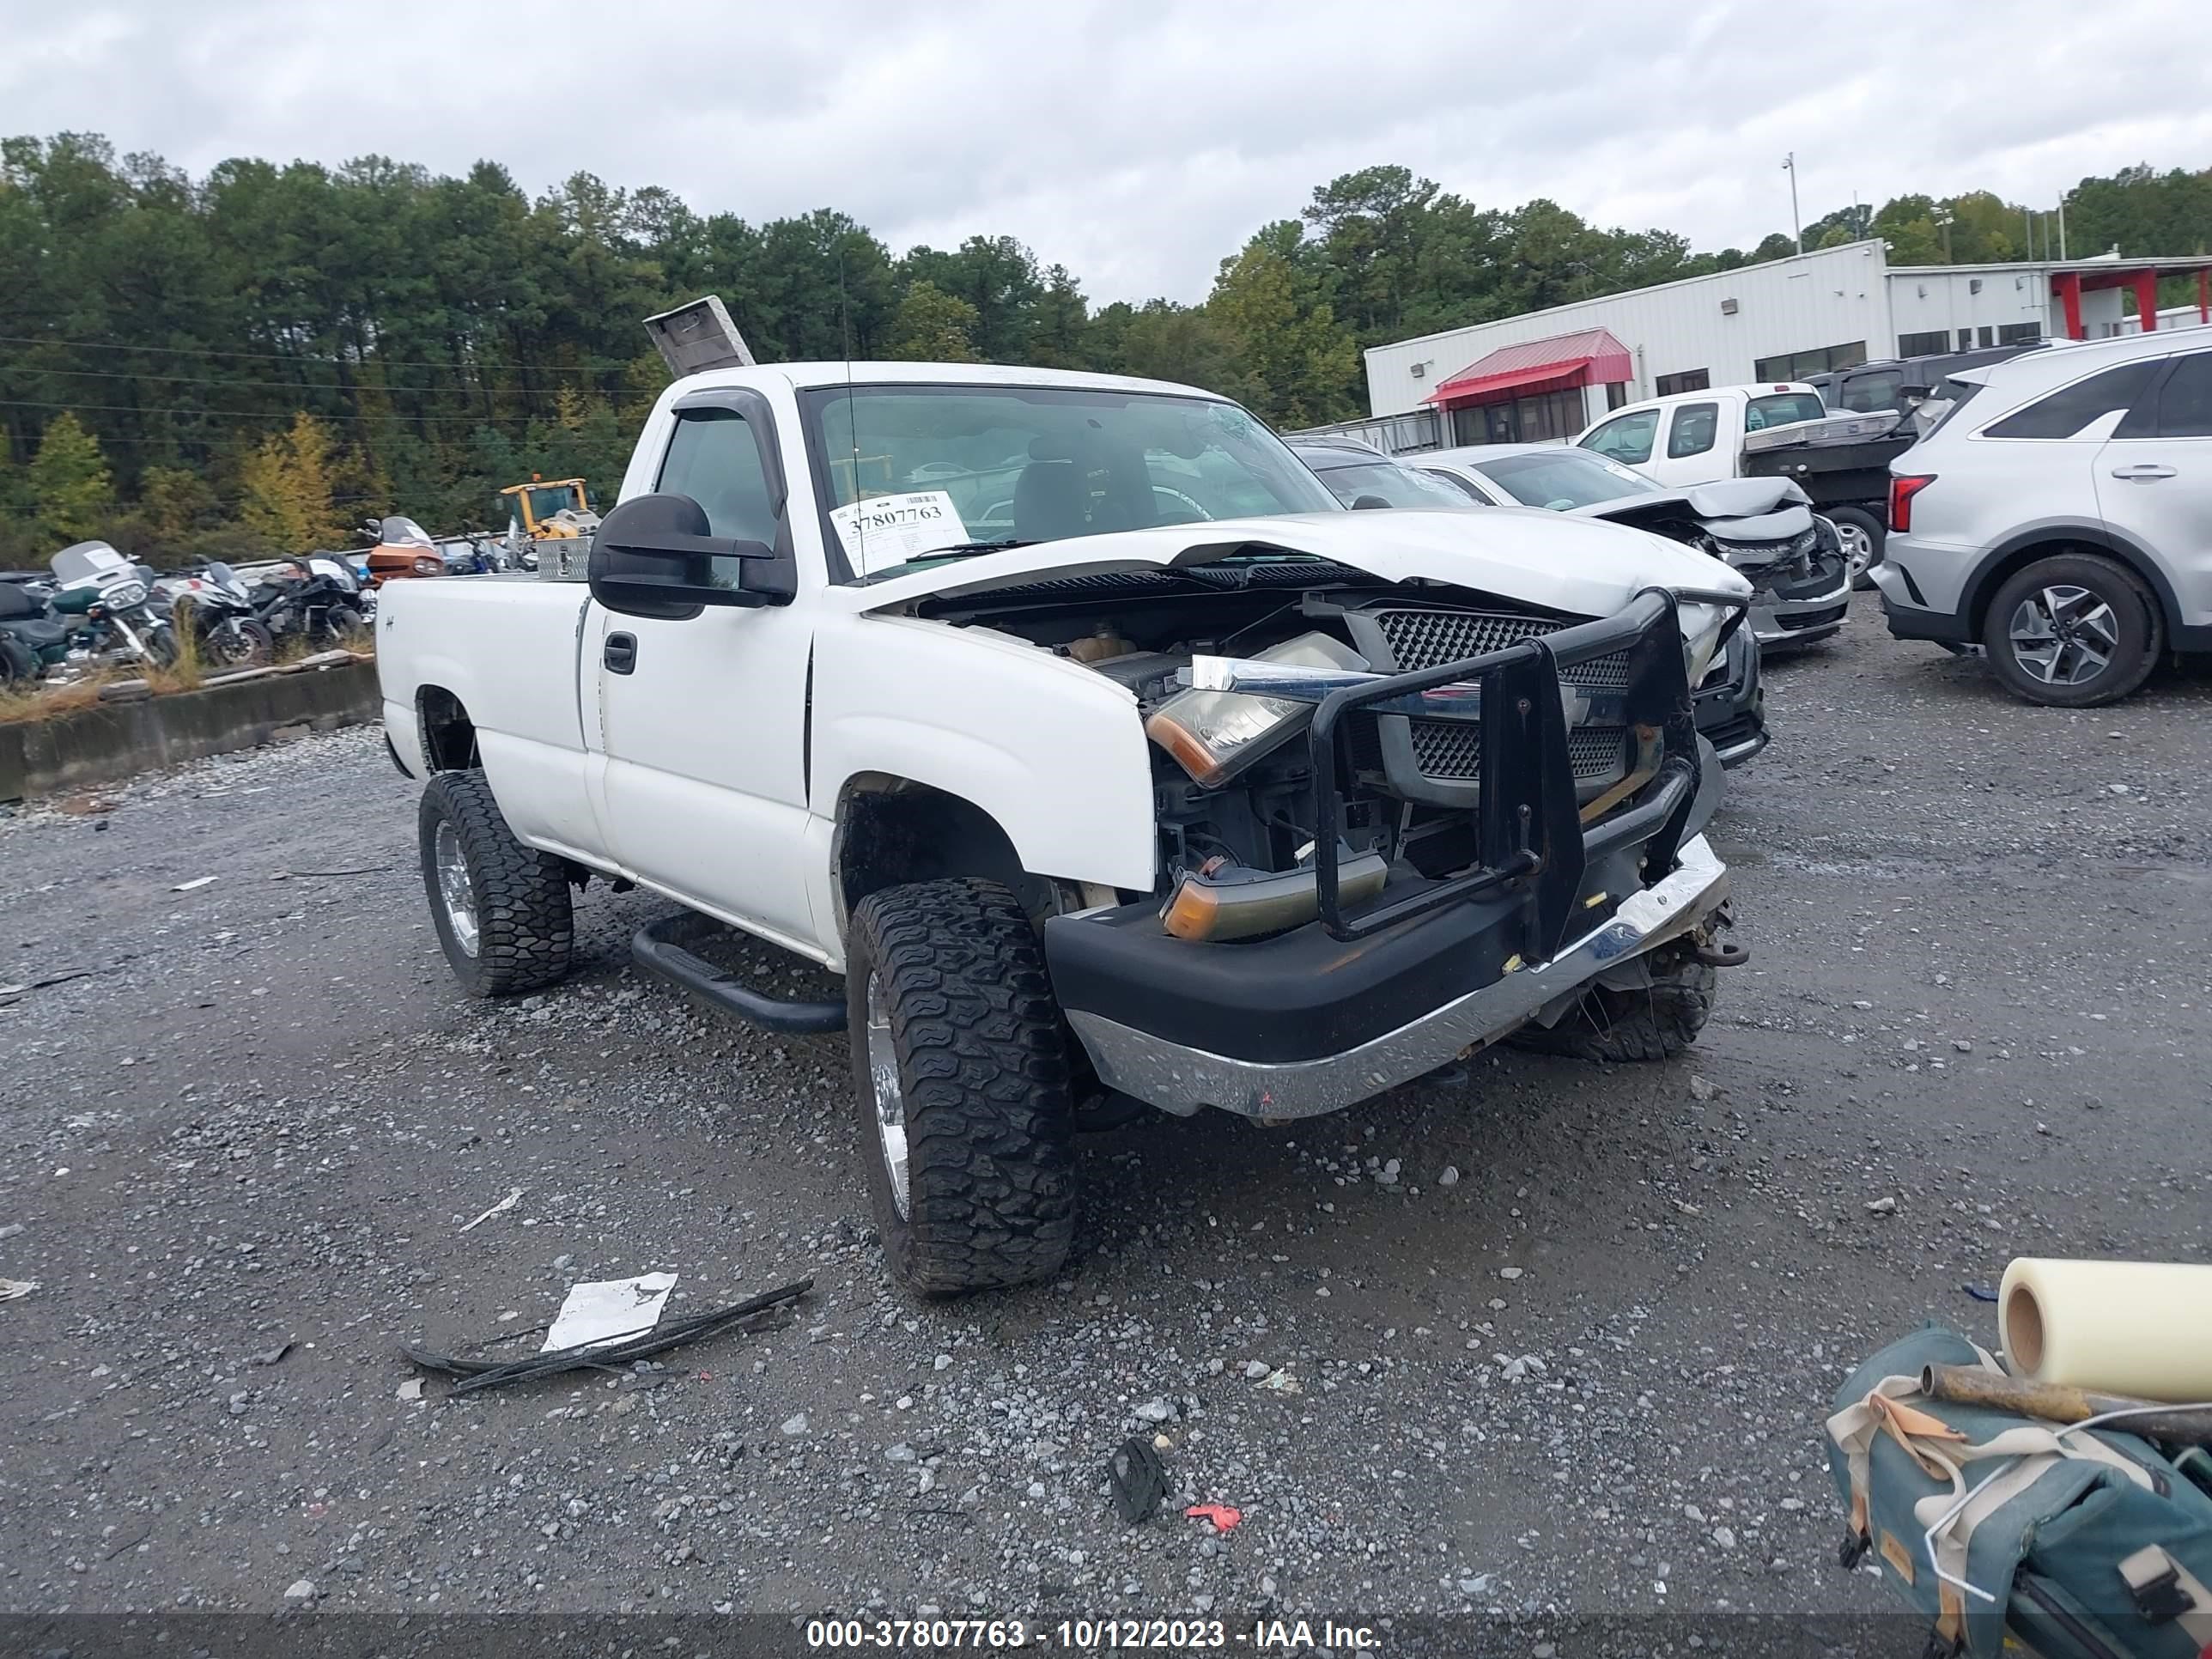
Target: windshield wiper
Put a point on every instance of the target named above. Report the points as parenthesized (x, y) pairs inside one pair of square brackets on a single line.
[(973, 547)]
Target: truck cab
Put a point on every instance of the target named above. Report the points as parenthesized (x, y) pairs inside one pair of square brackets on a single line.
[(1698, 437), (1113, 765)]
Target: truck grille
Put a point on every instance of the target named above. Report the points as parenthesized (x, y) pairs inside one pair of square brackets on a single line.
[(1423, 639), (1451, 752)]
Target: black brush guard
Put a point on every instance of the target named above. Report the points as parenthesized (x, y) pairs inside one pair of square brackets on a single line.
[(1528, 829)]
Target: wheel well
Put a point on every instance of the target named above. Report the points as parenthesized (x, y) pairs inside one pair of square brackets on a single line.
[(892, 830), (2002, 568), (449, 736)]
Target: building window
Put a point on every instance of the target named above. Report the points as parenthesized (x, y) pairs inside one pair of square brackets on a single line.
[(1616, 393), (1689, 380), (1797, 365), (2018, 333), (1966, 339), (1986, 336), (1933, 343), (1549, 417)]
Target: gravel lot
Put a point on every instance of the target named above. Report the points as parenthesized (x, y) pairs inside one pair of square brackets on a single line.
[(1584, 1376)]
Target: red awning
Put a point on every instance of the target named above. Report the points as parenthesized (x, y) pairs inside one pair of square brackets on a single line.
[(1590, 357)]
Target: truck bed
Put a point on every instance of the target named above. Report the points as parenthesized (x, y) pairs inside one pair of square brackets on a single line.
[(504, 647), (1831, 474)]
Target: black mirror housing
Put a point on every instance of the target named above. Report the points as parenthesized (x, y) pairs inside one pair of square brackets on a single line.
[(1370, 501), (653, 556)]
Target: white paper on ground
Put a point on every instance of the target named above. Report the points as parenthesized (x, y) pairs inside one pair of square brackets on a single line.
[(609, 1307), (884, 530)]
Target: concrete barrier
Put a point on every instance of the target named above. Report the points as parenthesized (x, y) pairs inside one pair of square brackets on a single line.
[(114, 740)]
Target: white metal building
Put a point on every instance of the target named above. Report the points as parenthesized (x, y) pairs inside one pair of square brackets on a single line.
[(1547, 373)]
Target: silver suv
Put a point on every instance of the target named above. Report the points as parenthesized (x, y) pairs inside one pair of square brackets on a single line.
[(2060, 516)]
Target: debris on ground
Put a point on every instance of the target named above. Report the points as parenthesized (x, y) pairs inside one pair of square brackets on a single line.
[(1140, 1481), (193, 885), (1281, 1381), (15, 992), (1224, 1517), (1701, 1088), (599, 1355), (411, 1388), (271, 1356), (605, 1308), (1979, 1292), (1882, 1206), (500, 1209), (12, 1288)]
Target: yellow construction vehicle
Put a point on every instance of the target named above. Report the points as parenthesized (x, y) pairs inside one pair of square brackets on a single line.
[(549, 510), (550, 525)]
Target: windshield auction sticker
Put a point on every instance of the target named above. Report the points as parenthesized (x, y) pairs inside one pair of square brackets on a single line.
[(884, 531)]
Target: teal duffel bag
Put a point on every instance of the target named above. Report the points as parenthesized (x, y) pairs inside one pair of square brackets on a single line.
[(2074, 1544)]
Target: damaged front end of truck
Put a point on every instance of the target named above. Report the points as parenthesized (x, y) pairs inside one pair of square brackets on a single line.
[(1400, 816)]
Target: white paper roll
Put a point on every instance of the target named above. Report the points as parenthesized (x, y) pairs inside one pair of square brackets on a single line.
[(2138, 1328)]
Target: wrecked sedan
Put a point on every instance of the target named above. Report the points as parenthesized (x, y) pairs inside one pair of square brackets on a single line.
[(1107, 758), (1729, 705), (1764, 528)]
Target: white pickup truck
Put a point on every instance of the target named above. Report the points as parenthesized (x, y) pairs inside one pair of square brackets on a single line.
[(1781, 430), (1072, 720)]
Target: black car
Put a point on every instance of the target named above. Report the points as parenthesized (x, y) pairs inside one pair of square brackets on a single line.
[(1730, 704)]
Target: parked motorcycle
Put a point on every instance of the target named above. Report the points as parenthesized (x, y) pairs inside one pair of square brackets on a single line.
[(403, 549), (213, 609), (314, 604), (32, 638), (111, 603)]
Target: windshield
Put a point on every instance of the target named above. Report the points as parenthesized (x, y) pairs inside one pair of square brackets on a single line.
[(82, 562), (550, 499), (1783, 408), (401, 533), (1561, 478), (1867, 394), (1398, 486), (911, 473)]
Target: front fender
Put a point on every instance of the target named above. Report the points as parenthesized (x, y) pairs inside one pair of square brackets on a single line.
[(1053, 753)]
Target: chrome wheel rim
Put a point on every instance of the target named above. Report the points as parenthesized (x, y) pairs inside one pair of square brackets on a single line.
[(453, 889), (889, 1098), (1858, 548), (2063, 635)]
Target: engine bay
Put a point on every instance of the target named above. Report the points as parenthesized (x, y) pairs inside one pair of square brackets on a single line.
[(1405, 805)]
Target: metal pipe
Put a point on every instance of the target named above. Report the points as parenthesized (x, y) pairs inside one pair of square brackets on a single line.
[(2054, 1402)]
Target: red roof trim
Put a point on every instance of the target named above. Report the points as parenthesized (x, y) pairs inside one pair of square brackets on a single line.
[(1591, 357)]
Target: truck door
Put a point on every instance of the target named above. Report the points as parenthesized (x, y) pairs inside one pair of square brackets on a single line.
[(702, 721), (1693, 452)]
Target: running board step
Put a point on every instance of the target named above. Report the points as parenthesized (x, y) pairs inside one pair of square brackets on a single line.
[(658, 947)]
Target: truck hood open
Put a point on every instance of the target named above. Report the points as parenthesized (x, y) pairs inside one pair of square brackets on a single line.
[(1551, 560)]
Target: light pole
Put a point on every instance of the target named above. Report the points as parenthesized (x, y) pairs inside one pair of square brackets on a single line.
[(1797, 226)]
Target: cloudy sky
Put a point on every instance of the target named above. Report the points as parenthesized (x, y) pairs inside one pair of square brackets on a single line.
[(1138, 141)]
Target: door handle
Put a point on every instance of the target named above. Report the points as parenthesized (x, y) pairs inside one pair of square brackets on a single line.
[(2143, 472), (619, 653)]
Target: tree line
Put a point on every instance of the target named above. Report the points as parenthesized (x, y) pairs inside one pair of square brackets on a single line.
[(253, 361)]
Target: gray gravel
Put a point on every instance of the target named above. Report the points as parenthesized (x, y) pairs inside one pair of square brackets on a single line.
[(1550, 1339)]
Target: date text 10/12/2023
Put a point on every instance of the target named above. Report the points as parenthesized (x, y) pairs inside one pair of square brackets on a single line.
[(1091, 1635)]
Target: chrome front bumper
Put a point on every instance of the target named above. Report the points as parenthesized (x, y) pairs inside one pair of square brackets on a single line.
[(1771, 618), (1178, 1078)]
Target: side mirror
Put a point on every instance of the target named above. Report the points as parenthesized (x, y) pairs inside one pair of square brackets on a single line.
[(652, 556), (1370, 500)]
